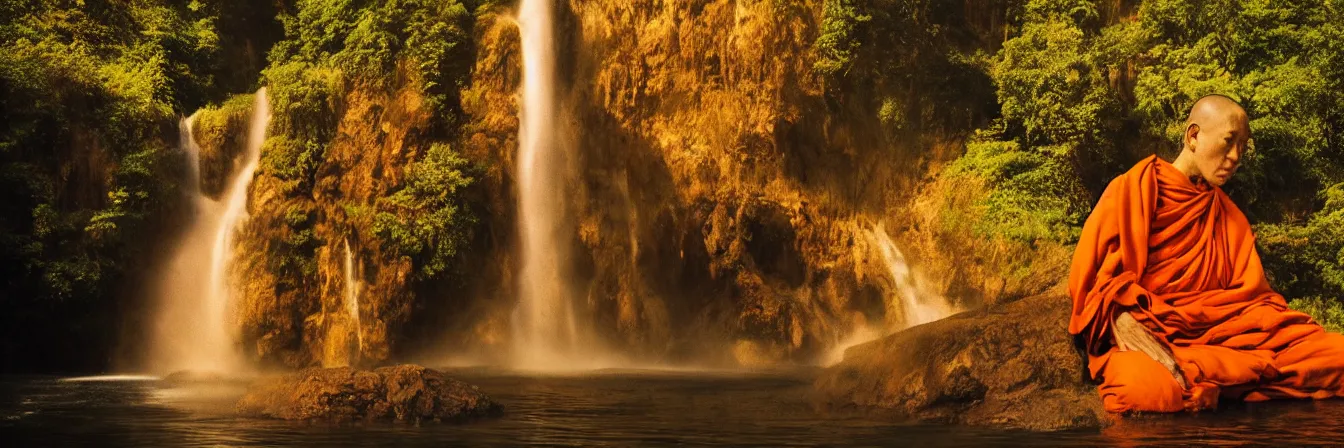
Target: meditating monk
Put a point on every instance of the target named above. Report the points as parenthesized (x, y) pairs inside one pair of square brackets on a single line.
[(1169, 296)]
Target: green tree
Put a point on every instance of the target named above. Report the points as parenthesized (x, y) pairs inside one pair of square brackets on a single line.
[(426, 219)]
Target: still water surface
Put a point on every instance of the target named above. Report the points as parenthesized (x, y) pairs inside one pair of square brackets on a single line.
[(609, 408)]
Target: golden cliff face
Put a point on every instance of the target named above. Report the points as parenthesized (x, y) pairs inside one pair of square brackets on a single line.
[(221, 134), (294, 307), (727, 207), (734, 223), (723, 211)]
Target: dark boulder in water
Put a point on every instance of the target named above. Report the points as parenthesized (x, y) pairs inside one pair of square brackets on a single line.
[(407, 393), (1011, 365)]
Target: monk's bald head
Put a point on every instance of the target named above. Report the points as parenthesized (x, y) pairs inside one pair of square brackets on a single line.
[(1214, 108), (1217, 133)]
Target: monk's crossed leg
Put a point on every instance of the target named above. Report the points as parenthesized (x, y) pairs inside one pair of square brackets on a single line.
[(1133, 381), (1310, 368)]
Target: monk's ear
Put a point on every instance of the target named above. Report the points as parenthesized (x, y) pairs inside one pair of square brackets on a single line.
[(1191, 135)]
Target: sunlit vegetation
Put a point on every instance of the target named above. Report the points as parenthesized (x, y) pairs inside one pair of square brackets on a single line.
[(1083, 93), (333, 47)]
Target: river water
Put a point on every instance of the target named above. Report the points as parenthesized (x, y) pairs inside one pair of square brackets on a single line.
[(608, 408)]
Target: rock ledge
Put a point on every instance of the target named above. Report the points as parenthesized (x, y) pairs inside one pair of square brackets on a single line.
[(1011, 365), (406, 393)]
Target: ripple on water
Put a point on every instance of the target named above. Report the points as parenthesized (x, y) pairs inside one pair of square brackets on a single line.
[(614, 408), (108, 378)]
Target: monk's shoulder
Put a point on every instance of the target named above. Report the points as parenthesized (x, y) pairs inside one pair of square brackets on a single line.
[(1104, 210), (1113, 188), (1125, 179)]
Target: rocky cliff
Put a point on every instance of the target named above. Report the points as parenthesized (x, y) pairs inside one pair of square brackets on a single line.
[(727, 196), (732, 202)]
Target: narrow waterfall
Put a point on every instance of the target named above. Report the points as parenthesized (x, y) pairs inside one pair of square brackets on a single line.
[(544, 326), (908, 304), (352, 289), (916, 305), (187, 140)]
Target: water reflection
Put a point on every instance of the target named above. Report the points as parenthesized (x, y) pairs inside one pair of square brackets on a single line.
[(610, 408), (109, 378), (1282, 422)]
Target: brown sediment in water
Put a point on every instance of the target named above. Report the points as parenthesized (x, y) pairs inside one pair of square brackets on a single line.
[(406, 393)]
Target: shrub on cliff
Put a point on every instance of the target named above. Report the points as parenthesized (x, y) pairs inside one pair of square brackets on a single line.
[(839, 40), (1036, 197), (917, 64), (1325, 311), (333, 48), (369, 42), (1309, 257), (425, 219)]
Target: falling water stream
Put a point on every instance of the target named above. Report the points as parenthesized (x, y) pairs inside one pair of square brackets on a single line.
[(545, 332), (187, 140), (909, 302), (352, 289), (917, 305), (194, 320)]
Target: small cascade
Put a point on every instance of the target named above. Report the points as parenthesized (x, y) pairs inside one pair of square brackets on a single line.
[(917, 305), (352, 290), (192, 186), (910, 300)]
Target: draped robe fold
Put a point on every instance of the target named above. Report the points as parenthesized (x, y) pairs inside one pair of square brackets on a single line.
[(1181, 259)]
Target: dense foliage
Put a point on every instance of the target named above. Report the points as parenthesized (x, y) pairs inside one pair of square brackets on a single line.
[(89, 93), (1086, 88), (333, 47), (425, 219), (911, 60)]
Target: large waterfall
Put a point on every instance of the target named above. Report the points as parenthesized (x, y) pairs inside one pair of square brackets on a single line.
[(193, 328), (545, 332)]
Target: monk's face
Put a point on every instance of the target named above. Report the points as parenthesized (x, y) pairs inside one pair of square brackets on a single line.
[(1219, 144)]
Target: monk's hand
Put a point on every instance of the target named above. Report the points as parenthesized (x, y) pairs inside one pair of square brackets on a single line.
[(1130, 335)]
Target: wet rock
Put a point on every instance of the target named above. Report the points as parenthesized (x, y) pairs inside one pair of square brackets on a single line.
[(1012, 365), (402, 393)]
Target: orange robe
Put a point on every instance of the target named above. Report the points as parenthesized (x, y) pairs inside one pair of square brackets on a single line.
[(1181, 259)]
